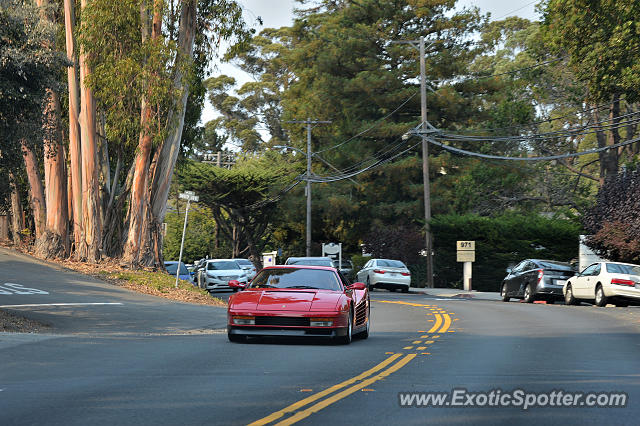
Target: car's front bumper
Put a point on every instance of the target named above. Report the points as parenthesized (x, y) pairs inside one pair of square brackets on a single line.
[(285, 323), (220, 284)]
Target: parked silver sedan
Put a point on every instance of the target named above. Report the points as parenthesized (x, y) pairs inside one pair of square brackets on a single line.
[(385, 273), (217, 273)]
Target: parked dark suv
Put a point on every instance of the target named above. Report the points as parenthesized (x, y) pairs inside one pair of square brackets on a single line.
[(535, 279)]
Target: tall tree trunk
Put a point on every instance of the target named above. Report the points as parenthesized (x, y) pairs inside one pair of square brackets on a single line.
[(17, 215), (54, 241), (166, 156), (75, 154), (35, 188), (135, 248), (90, 243)]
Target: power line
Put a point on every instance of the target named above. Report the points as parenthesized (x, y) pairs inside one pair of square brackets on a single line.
[(376, 124), (544, 158)]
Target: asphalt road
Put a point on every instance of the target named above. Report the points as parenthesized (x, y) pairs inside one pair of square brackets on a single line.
[(117, 357)]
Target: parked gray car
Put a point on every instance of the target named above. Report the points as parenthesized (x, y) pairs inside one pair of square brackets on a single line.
[(536, 279)]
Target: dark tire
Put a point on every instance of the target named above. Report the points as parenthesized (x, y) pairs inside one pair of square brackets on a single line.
[(568, 296), (622, 304), (369, 285), (405, 289), (601, 299), (345, 340), (503, 293), (235, 338), (550, 301), (528, 294)]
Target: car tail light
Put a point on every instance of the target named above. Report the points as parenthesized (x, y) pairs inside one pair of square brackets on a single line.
[(406, 274), (620, 281), (379, 271), (320, 322), (540, 274), (243, 320)]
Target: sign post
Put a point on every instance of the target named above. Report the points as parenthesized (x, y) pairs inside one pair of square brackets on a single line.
[(466, 253), (189, 196)]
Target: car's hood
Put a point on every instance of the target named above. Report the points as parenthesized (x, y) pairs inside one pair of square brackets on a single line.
[(284, 300)]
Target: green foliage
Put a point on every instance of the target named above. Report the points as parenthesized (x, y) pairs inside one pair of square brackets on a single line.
[(500, 242), (602, 41), (27, 69), (199, 239)]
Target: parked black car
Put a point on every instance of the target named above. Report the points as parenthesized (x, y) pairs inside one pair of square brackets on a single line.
[(536, 279)]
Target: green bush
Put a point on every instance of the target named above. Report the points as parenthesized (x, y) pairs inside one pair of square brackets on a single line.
[(500, 242)]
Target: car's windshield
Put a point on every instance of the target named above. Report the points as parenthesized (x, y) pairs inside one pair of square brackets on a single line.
[(390, 263), (173, 267), (297, 278), (311, 262), (619, 268), (244, 262), (222, 265)]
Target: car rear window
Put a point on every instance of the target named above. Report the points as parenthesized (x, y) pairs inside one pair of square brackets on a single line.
[(554, 265), (619, 268), (296, 278), (173, 267)]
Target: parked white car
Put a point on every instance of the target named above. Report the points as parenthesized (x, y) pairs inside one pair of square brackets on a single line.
[(385, 273), (248, 266), (604, 282), (217, 273)]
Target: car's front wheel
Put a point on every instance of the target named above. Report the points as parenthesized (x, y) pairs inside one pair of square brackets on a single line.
[(568, 296), (346, 339)]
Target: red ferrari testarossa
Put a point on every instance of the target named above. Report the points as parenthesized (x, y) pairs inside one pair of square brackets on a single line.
[(299, 301)]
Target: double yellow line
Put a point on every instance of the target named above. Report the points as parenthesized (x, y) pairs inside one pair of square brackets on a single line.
[(358, 382), (306, 407)]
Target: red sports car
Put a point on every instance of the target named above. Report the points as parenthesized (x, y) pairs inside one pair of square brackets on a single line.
[(299, 301)]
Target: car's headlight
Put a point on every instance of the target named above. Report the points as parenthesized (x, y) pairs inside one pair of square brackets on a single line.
[(243, 320), (320, 322)]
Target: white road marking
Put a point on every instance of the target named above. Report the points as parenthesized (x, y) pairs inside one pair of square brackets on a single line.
[(13, 288), (59, 304)]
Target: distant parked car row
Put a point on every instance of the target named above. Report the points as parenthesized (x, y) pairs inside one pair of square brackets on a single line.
[(599, 283), (214, 274)]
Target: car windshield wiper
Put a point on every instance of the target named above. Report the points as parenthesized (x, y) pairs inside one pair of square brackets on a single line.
[(302, 286)]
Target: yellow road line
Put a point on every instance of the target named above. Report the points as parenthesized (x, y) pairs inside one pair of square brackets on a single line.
[(325, 403), (293, 407), (437, 324), (447, 323)]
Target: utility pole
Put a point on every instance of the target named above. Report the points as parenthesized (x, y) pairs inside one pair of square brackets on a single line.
[(426, 128), (309, 154)]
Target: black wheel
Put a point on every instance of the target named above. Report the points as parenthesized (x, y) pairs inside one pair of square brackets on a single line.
[(503, 293), (528, 294), (369, 285), (601, 299), (346, 339), (568, 296), (235, 338), (405, 289)]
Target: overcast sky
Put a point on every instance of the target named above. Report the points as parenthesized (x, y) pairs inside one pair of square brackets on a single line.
[(279, 13)]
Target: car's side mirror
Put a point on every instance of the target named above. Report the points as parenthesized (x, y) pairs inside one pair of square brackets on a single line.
[(236, 284), (357, 286)]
